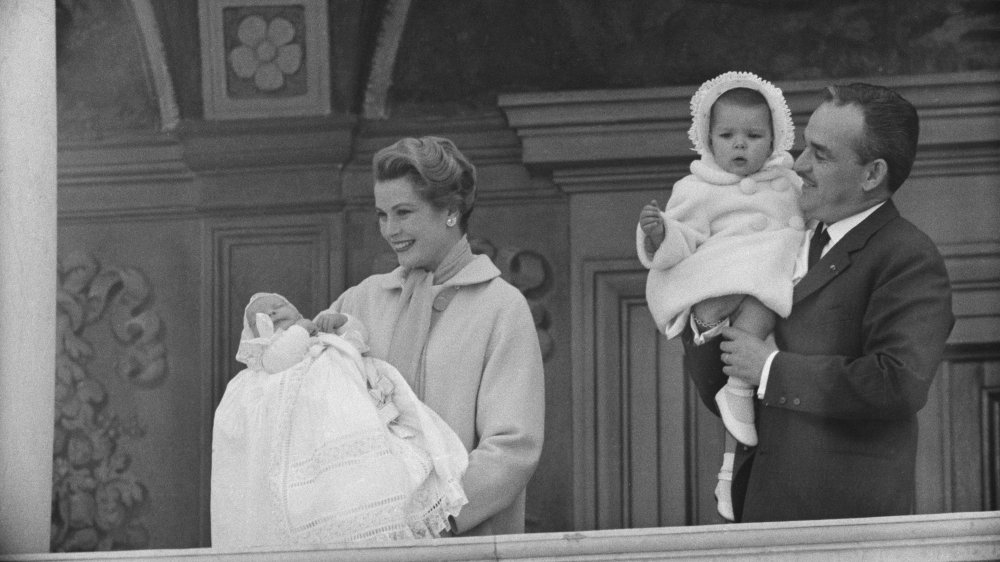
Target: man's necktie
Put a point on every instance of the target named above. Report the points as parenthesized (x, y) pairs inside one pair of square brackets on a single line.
[(819, 239)]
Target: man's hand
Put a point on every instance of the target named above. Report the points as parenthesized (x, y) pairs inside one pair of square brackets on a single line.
[(329, 321), (744, 355), (651, 223)]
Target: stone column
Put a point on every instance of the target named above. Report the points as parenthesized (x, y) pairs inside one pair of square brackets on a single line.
[(27, 271)]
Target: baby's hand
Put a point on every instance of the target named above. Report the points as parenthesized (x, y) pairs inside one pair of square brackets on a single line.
[(651, 223), (309, 325), (329, 321)]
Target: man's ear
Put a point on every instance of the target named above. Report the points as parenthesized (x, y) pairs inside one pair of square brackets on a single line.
[(876, 174)]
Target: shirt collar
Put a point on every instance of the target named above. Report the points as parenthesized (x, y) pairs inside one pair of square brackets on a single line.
[(840, 228), (836, 231)]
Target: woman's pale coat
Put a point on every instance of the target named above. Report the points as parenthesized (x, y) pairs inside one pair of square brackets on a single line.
[(484, 377)]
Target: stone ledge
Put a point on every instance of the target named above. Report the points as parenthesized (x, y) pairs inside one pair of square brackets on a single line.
[(955, 536), (593, 128)]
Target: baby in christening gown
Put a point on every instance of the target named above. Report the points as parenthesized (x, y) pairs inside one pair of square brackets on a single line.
[(315, 442)]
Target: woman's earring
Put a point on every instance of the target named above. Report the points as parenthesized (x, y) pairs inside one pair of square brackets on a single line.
[(451, 221)]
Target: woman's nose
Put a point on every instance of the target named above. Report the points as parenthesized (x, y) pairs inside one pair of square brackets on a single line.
[(389, 226)]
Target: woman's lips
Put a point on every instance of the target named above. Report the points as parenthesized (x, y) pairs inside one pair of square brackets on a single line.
[(402, 246)]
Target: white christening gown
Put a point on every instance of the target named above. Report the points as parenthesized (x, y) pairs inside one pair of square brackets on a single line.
[(334, 448)]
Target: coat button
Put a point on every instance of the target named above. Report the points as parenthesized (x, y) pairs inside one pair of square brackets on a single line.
[(796, 402), (781, 400)]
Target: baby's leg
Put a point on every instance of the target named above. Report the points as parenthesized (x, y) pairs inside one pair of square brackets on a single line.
[(724, 487), (716, 309), (735, 399), (751, 315)]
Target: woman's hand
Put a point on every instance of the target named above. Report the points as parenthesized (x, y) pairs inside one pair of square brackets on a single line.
[(309, 325), (329, 322), (652, 225)]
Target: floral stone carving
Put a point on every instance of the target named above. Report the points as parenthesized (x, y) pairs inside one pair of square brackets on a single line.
[(266, 52), (97, 500)]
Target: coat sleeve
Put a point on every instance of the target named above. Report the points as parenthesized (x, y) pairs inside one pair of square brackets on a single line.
[(510, 417), (902, 334), (686, 223)]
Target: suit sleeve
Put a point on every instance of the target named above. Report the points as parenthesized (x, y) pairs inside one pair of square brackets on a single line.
[(902, 334), (510, 418)]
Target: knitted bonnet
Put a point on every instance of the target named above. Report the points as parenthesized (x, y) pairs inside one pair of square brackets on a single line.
[(709, 92)]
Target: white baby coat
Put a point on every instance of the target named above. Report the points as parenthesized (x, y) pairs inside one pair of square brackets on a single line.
[(726, 235)]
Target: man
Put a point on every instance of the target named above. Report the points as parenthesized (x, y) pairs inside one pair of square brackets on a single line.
[(838, 398)]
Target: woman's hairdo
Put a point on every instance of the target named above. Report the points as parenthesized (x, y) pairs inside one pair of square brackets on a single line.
[(440, 173)]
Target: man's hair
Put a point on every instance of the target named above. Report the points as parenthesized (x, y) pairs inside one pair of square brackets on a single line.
[(891, 127)]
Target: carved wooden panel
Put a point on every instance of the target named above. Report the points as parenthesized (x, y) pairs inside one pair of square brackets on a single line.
[(958, 456), (638, 424), (991, 444), (291, 257)]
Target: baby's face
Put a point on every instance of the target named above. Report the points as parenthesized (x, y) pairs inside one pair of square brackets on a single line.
[(741, 137), (280, 311)]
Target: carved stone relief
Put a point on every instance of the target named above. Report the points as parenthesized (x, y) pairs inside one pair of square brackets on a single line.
[(97, 499)]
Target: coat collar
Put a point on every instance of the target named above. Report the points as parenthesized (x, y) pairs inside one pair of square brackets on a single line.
[(838, 258), (480, 270)]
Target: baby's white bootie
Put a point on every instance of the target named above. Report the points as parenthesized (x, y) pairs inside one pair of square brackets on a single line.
[(736, 408)]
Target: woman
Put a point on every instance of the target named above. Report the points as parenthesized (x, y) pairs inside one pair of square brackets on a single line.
[(462, 337)]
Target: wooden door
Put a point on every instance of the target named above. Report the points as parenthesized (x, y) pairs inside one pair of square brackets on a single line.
[(647, 449)]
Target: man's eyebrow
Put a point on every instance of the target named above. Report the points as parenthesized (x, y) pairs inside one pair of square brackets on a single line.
[(818, 147)]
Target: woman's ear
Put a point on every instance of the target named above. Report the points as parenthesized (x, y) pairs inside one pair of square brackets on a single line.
[(876, 175)]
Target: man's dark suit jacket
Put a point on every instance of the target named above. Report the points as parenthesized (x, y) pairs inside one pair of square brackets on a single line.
[(837, 428)]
